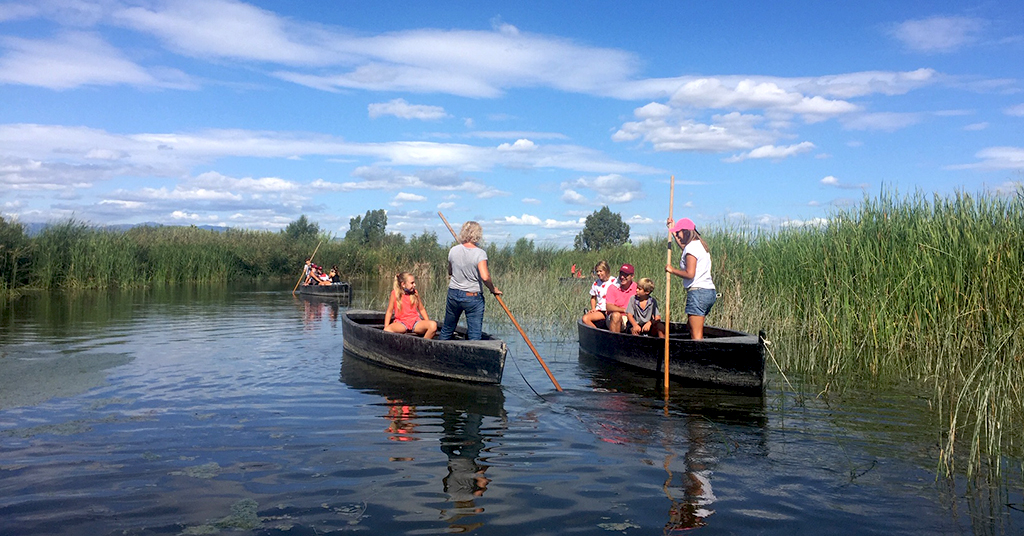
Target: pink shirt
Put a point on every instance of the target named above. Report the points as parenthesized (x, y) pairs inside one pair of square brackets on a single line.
[(620, 297)]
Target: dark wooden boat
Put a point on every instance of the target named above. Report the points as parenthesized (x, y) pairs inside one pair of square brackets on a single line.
[(341, 291), (480, 361), (724, 357)]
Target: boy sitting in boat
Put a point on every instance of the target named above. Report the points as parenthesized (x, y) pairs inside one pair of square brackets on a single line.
[(642, 311), (410, 316)]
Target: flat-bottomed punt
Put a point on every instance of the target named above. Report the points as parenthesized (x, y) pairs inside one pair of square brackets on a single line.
[(341, 291), (723, 357), (480, 361)]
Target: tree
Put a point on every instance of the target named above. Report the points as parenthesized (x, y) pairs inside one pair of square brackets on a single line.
[(368, 229), (603, 229), (302, 229)]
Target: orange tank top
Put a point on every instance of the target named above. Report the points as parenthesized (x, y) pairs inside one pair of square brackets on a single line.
[(408, 313)]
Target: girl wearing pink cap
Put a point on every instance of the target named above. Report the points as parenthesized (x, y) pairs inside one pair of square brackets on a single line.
[(695, 269)]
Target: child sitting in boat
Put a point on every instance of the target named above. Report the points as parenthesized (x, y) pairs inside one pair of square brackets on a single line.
[(642, 310), (598, 305), (410, 316)]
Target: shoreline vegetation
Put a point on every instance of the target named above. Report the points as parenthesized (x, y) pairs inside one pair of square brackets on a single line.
[(916, 288)]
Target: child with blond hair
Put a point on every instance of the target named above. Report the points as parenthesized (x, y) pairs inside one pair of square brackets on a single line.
[(410, 316), (642, 311)]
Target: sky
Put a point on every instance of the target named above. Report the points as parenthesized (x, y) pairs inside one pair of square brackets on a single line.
[(524, 116)]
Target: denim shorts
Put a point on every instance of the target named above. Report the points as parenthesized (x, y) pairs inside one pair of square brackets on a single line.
[(700, 300)]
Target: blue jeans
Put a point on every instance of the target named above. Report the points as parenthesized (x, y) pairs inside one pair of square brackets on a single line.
[(457, 303)]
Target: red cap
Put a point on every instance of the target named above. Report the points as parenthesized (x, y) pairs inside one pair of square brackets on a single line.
[(626, 269)]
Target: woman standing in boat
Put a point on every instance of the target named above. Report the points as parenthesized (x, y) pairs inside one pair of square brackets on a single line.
[(695, 269), (468, 274)]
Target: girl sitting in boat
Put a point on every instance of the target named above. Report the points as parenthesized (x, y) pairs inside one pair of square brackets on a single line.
[(598, 305), (410, 316)]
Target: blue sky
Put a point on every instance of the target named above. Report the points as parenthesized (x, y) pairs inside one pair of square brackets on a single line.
[(524, 116)]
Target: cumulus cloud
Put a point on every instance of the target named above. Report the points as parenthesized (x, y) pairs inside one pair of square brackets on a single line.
[(608, 189), (836, 183), (1015, 111), (938, 34), (548, 223), (405, 196), (728, 132), (519, 145), (750, 94), (403, 110)]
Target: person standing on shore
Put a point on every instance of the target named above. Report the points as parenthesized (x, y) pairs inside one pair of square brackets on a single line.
[(468, 275), (695, 269)]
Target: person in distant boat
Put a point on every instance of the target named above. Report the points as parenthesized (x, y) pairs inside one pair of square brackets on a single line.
[(307, 270), (468, 275), (695, 269), (406, 308), (642, 311), (618, 298), (598, 291), (335, 276)]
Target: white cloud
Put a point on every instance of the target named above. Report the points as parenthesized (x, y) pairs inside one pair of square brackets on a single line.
[(938, 34), (612, 188), (531, 201), (886, 121), (832, 181), (976, 126), (773, 152), (1016, 110), (637, 219), (404, 196), (78, 59), (749, 94), (445, 205), (403, 110), (573, 197), (996, 158), (528, 219), (729, 132), (519, 145)]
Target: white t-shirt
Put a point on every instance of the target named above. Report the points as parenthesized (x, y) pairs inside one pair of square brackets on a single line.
[(599, 289), (702, 275)]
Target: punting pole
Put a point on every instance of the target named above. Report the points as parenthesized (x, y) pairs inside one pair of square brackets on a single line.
[(512, 318), (304, 270), (668, 280)]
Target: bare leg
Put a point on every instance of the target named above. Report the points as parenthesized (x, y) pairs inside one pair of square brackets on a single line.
[(427, 328), (396, 327), (696, 324), (592, 317), (615, 322), (658, 329)]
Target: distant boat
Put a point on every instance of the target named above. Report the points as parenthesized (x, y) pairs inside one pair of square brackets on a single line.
[(480, 361), (334, 290), (724, 357)]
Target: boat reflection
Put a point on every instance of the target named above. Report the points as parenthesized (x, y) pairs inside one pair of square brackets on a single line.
[(316, 308), (469, 414), (700, 421)]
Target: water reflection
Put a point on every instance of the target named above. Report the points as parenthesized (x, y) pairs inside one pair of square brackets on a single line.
[(693, 422), (468, 414), (316, 308)]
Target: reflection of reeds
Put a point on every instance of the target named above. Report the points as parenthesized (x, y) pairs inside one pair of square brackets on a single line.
[(915, 288)]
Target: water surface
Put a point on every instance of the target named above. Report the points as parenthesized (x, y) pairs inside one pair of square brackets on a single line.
[(215, 410)]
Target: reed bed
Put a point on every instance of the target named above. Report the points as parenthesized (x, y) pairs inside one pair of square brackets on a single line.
[(917, 288)]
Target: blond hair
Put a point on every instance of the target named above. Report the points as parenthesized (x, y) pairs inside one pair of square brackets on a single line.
[(646, 284), (397, 292), (603, 265), (471, 232)]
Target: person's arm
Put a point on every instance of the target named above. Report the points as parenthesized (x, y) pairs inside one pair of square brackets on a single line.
[(612, 308), (485, 277), (689, 272), (422, 308), (390, 310)]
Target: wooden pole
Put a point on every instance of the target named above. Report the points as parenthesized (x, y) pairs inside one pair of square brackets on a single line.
[(311, 265), (668, 280), (512, 318)]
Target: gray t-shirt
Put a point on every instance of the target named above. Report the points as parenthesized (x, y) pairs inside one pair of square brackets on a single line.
[(645, 315), (465, 274)]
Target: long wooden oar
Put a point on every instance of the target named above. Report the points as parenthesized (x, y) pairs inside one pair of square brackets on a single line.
[(512, 318), (668, 280), (310, 265)]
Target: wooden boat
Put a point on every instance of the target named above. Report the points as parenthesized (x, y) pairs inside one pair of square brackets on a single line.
[(480, 361), (335, 290), (724, 357)]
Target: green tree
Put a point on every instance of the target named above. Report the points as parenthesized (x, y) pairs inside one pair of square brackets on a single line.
[(368, 229), (302, 229), (603, 229)]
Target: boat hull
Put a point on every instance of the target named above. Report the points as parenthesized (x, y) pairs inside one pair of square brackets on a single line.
[(480, 361), (724, 357)]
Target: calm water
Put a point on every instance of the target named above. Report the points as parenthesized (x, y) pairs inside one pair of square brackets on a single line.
[(203, 411)]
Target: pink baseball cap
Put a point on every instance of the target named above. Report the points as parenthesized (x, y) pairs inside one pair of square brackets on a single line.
[(681, 224)]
